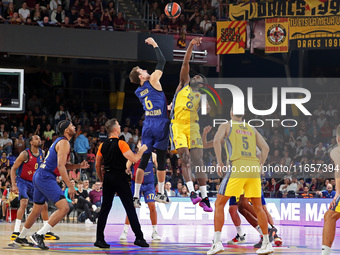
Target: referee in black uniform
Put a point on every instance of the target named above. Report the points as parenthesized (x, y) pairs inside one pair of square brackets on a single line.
[(114, 154)]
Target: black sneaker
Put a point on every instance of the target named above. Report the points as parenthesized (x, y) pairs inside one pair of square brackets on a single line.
[(14, 235), (102, 245), (141, 243), (195, 198), (259, 244), (38, 240), (162, 198), (22, 242), (271, 233), (205, 204), (51, 236)]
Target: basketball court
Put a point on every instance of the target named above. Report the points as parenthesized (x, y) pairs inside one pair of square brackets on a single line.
[(176, 239)]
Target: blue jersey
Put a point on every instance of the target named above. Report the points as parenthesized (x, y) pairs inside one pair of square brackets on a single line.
[(51, 160), (148, 172), (27, 169), (153, 101)]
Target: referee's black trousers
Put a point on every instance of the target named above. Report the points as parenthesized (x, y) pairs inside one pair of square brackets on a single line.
[(117, 182)]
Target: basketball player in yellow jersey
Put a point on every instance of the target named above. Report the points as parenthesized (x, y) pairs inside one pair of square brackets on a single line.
[(244, 172), (333, 214), (185, 131)]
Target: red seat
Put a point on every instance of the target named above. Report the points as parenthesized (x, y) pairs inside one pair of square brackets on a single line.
[(11, 214)]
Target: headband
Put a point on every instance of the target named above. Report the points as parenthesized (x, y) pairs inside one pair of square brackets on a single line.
[(63, 125)]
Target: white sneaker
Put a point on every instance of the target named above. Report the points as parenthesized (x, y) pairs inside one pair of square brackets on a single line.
[(123, 236), (88, 221), (136, 202), (94, 208), (237, 239), (155, 236), (216, 248), (266, 248)]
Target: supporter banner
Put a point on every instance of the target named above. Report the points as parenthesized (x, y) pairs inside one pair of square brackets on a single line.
[(297, 8), (231, 37), (181, 211), (277, 35), (314, 32)]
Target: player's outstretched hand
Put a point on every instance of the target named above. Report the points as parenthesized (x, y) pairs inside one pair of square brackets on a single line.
[(196, 41), (15, 189), (207, 129), (71, 192), (144, 148), (333, 203), (84, 165), (151, 41)]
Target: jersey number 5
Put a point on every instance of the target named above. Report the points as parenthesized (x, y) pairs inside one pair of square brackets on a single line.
[(148, 103), (245, 142)]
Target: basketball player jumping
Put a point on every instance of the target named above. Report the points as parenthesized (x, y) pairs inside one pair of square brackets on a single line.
[(26, 164), (46, 188), (240, 142), (155, 133), (185, 130), (333, 214), (148, 190)]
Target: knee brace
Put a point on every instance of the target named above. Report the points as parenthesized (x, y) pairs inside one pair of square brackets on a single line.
[(144, 161), (161, 159)]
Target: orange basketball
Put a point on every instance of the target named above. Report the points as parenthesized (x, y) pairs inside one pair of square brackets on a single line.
[(172, 10)]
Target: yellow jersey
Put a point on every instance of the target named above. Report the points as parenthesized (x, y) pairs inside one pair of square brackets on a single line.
[(185, 105), (241, 142)]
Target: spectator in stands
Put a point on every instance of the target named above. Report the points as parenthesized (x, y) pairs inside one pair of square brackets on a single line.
[(321, 120), (58, 15), (87, 7), (328, 193), (87, 186), (163, 21), (98, 8), (4, 161), (19, 145), (298, 150), (49, 132), (306, 193), (81, 146), (319, 111), (332, 181), (62, 114), (82, 201), (168, 190), (83, 16), (73, 16), (15, 19), (320, 150), (96, 194), (315, 138), (212, 30), (36, 16), (54, 4), (308, 151), (302, 137), (127, 135), (286, 159), (205, 24), (155, 9), (275, 159), (174, 25), (326, 132), (273, 187), (24, 12), (313, 185), (179, 186), (284, 187), (9, 13), (301, 185), (6, 144), (184, 191), (71, 203), (14, 133), (93, 22), (119, 22), (102, 135)]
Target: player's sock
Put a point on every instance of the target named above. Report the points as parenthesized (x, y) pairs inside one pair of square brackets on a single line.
[(266, 238), (45, 221), (239, 230), (137, 189), (258, 228), (46, 228), (203, 190), (326, 250), (23, 232), (126, 227), (217, 237), (154, 228), (17, 225), (190, 186), (161, 187)]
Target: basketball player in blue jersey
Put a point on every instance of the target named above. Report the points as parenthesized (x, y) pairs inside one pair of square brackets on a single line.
[(185, 131), (26, 164), (46, 188), (155, 133), (148, 191)]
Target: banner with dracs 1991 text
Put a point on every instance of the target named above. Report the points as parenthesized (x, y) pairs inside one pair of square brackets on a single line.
[(315, 32), (231, 37), (277, 35), (297, 8)]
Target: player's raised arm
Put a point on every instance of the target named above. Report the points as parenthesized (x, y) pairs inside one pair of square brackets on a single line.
[(157, 74), (262, 144), (184, 77), (20, 159)]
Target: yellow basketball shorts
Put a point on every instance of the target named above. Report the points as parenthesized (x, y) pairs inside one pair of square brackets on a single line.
[(337, 205), (242, 177), (185, 135)]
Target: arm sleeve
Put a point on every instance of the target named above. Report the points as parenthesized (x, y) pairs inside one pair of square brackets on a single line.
[(160, 59), (99, 152), (123, 146)]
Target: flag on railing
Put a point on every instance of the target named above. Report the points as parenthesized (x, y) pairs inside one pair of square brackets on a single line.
[(310, 4), (231, 37)]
